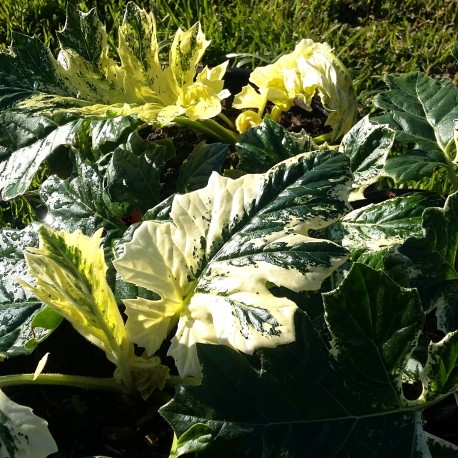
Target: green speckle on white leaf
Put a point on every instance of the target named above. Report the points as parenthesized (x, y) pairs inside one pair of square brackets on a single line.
[(85, 80), (213, 260), (22, 433)]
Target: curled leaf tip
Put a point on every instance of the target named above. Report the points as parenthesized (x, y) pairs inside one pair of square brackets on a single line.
[(296, 78)]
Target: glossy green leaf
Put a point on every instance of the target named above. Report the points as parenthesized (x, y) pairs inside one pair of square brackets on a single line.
[(387, 224), (264, 146), (212, 260), (19, 168), (18, 307), (440, 374), (368, 146), (445, 296), (314, 397), (105, 134), (134, 171), (18, 130), (434, 253), (79, 202), (374, 324), (29, 140), (199, 165), (421, 110), (22, 433)]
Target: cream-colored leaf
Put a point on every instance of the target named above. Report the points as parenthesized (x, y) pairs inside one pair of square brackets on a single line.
[(154, 320), (311, 69), (213, 279), (24, 434)]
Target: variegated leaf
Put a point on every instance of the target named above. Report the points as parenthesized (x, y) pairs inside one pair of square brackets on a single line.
[(69, 273), (22, 433), (387, 224), (440, 374), (368, 146), (213, 261), (85, 80)]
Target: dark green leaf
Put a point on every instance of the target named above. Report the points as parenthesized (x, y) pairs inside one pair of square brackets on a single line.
[(18, 170), (28, 70), (18, 130), (106, 134), (440, 448), (445, 297), (415, 165), (133, 174), (199, 165), (434, 254), (79, 202), (297, 400), (18, 307), (421, 110), (263, 146), (375, 325)]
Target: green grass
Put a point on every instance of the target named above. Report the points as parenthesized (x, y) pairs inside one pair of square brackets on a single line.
[(372, 38)]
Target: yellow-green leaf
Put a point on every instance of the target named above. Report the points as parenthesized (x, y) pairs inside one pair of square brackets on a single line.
[(85, 80), (294, 79), (69, 271)]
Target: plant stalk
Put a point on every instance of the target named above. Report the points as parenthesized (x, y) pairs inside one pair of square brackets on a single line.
[(451, 163), (320, 139), (227, 121), (210, 128), (78, 381)]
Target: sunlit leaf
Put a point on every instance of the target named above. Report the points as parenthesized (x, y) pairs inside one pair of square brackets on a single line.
[(84, 79), (69, 274), (22, 433), (421, 110), (338, 393), (296, 78), (367, 145), (18, 307), (212, 260)]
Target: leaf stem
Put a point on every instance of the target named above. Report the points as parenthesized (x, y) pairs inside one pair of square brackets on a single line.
[(79, 381), (208, 127), (451, 171), (226, 120), (84, 382), (320, 139), (177, 380)]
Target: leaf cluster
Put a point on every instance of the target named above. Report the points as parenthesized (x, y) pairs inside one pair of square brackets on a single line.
[(307, 316)]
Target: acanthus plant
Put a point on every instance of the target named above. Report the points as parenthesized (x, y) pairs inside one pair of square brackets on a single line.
[(299, 326)]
